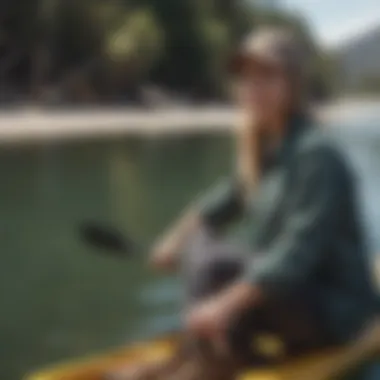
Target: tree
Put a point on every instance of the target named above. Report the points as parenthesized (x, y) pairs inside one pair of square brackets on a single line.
[(368, 85), (136, 44), (116, 45)]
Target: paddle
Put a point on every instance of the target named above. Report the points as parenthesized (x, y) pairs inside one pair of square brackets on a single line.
[(107, 239)]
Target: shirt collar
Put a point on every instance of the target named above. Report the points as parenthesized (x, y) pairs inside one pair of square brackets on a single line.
[(297, 125)]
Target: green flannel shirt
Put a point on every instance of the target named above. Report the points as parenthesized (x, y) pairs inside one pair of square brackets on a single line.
[(303, 220)]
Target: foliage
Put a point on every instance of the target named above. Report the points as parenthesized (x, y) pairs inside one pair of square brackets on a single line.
[(179, 45), (369, 84), (137, 41)]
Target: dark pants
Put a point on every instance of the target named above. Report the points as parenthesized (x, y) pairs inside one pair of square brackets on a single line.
[(211, 264)]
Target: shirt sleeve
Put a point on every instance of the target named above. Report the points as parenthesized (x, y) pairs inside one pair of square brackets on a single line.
[(309, 226), (222, 204)]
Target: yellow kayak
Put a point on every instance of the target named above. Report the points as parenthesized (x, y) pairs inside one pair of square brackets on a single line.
[(324, 366)]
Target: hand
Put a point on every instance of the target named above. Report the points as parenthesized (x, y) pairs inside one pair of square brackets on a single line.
[(208, 319), (165, 252), (163, 255), (212, 317)]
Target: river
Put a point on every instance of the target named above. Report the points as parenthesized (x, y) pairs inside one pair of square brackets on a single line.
[(58, 298)]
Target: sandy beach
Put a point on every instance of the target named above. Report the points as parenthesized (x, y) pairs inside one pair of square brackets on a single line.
[(34, 125)]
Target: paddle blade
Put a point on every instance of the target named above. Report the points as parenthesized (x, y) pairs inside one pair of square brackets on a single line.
[(106, 238)]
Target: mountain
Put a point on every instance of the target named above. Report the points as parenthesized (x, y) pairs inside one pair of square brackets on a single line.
[(360, 59)]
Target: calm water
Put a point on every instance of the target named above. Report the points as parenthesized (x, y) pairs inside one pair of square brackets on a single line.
[(58, 299)]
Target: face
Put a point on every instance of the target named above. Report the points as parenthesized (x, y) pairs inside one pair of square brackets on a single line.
[(264, 91)]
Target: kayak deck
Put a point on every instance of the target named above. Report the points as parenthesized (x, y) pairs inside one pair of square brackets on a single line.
[(322, 366), (93, 368)]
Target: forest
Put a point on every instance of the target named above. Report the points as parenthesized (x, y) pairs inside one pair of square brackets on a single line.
[(123, 51)]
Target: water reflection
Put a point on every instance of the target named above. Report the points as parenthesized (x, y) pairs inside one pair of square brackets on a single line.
[(57, 299)]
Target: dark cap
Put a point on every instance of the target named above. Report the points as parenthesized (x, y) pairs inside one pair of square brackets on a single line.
[(274, 46)]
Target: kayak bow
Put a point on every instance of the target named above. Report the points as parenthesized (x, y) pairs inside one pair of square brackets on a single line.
[(322, 366)]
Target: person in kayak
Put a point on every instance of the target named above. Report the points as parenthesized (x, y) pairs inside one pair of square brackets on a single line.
[(278, 248)]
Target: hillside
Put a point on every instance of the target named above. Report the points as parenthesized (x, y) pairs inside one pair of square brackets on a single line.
[(360, 60)]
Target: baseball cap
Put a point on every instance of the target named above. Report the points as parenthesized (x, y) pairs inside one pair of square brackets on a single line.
[(274, 46)]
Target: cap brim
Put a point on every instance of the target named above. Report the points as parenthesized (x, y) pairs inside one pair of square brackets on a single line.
[(238, 61)]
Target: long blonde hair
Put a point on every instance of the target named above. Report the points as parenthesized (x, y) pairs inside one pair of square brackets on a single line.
[(251, 141), (248, 154)]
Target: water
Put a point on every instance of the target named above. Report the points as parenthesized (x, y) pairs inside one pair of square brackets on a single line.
[(58, 299)]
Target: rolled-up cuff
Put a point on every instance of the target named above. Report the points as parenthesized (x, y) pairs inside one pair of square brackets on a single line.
[(221, 205)]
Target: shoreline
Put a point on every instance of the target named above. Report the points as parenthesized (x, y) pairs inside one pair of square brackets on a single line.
[(26, 125)]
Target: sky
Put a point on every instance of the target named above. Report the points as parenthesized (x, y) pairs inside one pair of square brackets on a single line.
[(337, 21)]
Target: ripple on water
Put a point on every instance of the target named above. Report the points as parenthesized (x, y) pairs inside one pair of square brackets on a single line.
[(165, 292)]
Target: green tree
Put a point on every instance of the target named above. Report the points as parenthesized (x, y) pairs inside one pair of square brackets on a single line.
[(181, 45), (368, 85), (137, 43)]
